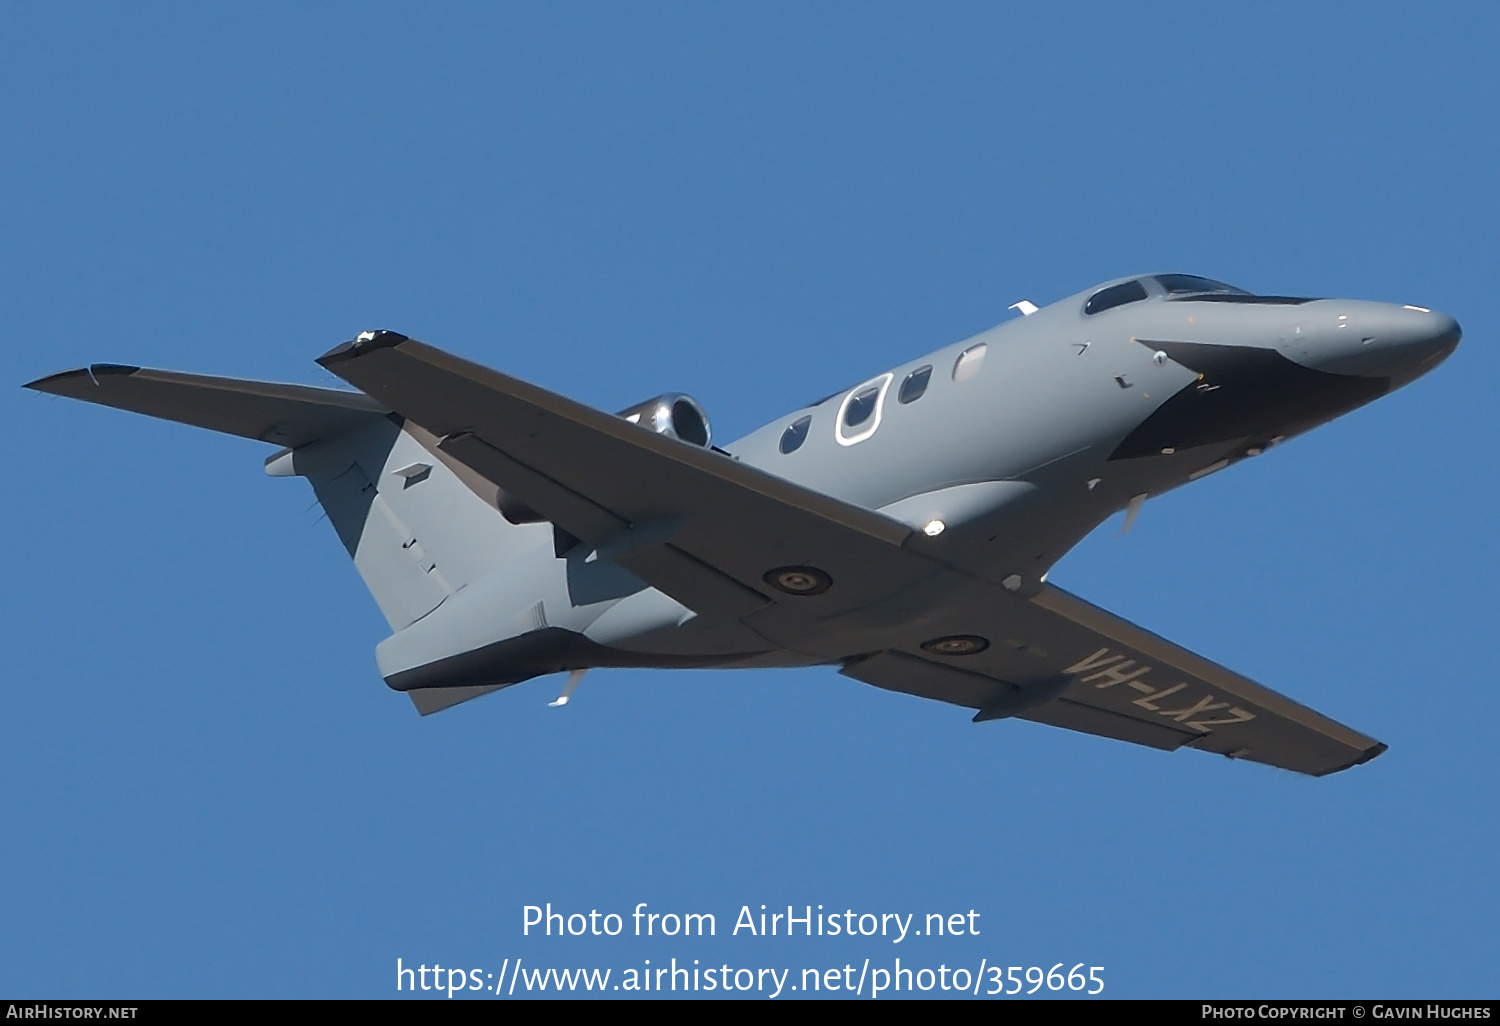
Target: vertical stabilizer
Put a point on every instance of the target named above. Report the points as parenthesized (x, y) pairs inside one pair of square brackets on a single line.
[(417, 533)]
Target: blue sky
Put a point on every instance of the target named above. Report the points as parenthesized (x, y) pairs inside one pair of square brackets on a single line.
[(205, 787)]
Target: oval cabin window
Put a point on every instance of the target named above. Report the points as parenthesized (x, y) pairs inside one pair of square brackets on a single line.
[(861, 406), (859, 413), (969, 361), (914, 385), (793, 437)]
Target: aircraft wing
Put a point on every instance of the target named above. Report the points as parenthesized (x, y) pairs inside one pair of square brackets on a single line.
[(1059, 660), (708, 530), (694, 523), (289, 415)]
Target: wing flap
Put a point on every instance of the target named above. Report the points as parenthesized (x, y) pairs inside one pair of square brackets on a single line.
[(913, 675), (1087, 719), (667, 568), (286, 415)]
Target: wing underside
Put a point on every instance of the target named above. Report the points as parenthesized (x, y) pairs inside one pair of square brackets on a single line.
[(1058, 660), (286, 415)]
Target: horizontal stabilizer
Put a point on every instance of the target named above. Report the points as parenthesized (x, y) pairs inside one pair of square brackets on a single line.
[(287, 415)]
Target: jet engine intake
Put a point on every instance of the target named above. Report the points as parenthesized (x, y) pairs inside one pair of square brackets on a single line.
[(674, 415)]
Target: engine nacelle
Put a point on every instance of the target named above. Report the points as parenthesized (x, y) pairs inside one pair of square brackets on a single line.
[(674, 415)]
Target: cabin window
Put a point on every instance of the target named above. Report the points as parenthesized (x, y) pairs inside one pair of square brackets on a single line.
[(1115, 295), (859, 413), (914, 385), (968, 362), (793, 437), (861, 406)]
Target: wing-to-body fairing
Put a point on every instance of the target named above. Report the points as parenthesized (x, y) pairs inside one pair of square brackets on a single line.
[(900, 530)]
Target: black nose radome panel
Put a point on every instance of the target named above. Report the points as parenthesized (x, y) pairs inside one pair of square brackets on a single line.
[(1243, 392)]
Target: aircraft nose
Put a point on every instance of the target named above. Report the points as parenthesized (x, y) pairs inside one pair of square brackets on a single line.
[(1420, 339), (1386, 341)]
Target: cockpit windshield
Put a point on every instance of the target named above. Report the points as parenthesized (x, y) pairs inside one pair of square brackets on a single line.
[(1185, 284), (1115, 295)]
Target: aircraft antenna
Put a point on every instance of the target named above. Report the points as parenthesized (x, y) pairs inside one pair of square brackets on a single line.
[(568, 689)]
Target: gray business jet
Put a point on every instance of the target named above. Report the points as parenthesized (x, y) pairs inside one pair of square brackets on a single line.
[(900, 530)]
